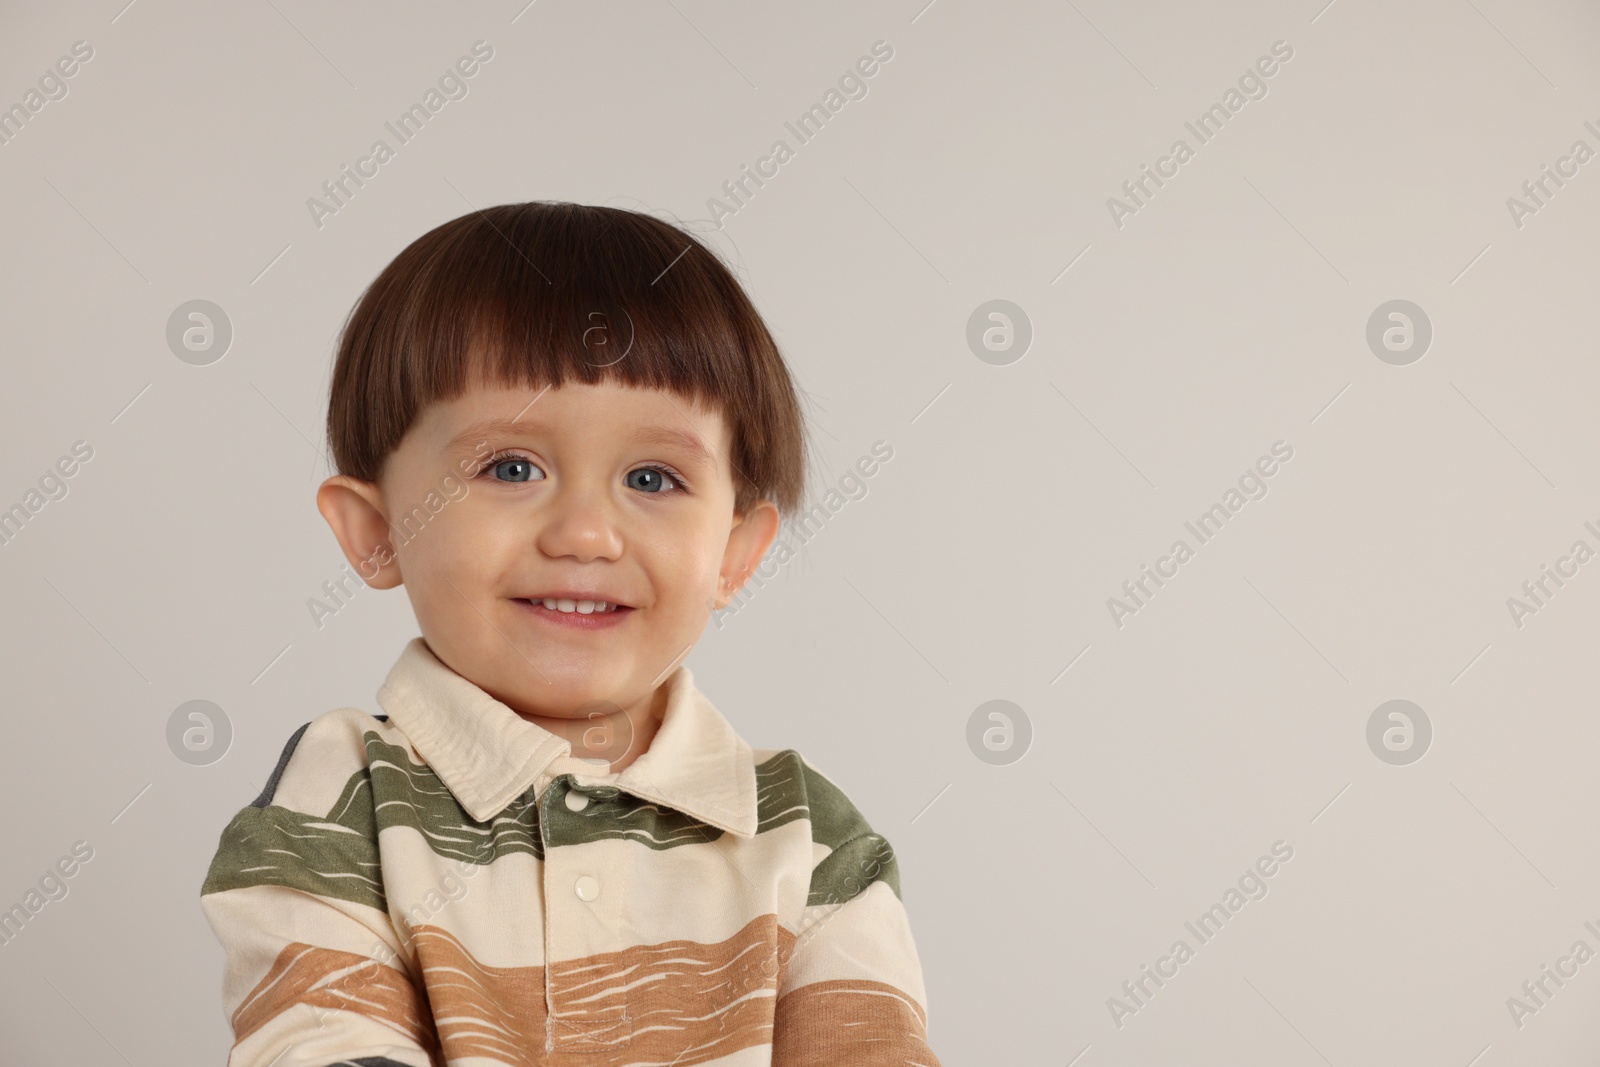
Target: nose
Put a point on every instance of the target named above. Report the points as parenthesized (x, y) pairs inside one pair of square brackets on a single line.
[(578, 522)]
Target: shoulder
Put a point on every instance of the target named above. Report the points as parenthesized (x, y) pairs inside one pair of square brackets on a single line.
[(313, 828), (785, 779), (320, 758), (848, 855)]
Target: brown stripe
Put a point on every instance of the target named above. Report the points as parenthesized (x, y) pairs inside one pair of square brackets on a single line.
[(850, 1021), (331, 980), (681, 1002), (479, 1010)]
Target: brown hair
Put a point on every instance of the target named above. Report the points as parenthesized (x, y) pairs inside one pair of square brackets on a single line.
[(513, 295)]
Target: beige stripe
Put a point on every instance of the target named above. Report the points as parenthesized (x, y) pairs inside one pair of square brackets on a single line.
[(868, 937), (329, 752), (681, 880)]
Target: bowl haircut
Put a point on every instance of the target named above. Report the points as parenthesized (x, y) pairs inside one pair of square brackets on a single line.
[(545, 293)]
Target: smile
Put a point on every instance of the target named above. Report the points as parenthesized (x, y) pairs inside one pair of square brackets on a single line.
[(576, 614), (581, 607)]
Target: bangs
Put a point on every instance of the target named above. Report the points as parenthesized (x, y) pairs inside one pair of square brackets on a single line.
[(543, 294)]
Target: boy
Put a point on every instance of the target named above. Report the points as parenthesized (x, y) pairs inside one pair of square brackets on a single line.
[(566, 431)]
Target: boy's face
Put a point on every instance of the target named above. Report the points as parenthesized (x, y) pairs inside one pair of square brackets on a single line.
[(593, 489)]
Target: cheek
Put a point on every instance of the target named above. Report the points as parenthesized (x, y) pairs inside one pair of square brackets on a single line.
[(467, 549), (687, 569)]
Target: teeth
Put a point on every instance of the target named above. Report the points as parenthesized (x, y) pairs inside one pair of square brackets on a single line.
[(581, 607)]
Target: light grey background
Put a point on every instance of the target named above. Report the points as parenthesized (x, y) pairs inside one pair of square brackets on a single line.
[(1168, 354)]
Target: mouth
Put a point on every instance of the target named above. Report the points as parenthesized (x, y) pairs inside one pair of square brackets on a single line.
[(573, 605), (586, 613)]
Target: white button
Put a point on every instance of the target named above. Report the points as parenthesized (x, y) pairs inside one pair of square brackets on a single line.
[(586, 887), (577, 801)]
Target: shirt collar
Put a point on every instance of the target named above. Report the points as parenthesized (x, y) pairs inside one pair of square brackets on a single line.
[(487, 755)]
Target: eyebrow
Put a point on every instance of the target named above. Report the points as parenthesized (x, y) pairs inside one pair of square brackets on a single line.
[(644, 435)]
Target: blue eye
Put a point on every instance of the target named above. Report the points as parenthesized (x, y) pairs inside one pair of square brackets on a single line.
[(652, 479), (515, 469)]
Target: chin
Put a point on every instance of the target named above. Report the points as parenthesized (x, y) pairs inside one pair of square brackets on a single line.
[(568, 686)]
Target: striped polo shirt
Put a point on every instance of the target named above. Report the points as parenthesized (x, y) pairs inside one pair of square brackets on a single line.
[(446, 884)]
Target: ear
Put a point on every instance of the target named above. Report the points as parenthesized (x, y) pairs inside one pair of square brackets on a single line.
[(354, 509), (748, 541)]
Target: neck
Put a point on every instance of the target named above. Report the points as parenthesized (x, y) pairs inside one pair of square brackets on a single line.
[(619, 736)]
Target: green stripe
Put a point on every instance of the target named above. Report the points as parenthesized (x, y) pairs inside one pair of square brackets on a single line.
[(336, 855), (859, 857), (834, 819), (411, 794), (616, 815), (780, 791), (332, 856), (792, 789), (848, 870)]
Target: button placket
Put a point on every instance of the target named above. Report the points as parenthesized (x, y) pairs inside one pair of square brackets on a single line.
[(584, 914)]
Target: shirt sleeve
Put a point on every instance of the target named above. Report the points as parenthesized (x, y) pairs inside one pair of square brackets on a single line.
[(315, 974), (850, 989)]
